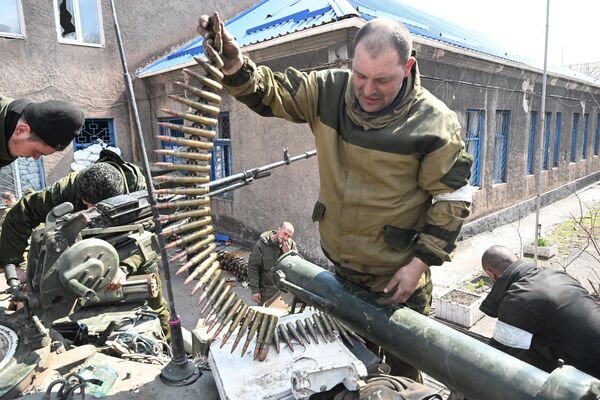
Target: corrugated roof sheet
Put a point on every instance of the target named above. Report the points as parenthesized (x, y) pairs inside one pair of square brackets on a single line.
[(273, 18)]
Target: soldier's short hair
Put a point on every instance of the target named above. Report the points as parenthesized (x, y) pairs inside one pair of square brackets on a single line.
[(99, 182)]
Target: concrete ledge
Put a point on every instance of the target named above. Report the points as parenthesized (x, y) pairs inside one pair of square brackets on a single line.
[(520, 210)]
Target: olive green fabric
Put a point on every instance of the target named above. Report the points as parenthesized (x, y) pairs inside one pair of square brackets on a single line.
[(260, 264), (379, 172), (5, 157), (31, 210)]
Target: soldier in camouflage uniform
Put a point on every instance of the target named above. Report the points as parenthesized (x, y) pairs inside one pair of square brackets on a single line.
[(108, 177), (393, 168)]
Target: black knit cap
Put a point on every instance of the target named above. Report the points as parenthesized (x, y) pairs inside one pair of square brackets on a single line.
[(55, 122)]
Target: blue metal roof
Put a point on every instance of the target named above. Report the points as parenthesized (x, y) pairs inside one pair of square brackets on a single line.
[(273, 18)]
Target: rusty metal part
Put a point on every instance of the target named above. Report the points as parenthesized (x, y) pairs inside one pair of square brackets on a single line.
[(203, 94), (255, 324), (203, 133), (200, 256), (319, 326), (285, 336), (201, 201), (247, 321), (235, 308), (294, 333), (200, 191), (196, 144), (210, 69), (310, 330), (262, 333), (203, 266), (214, 56), (177, 216), (213, 287), (271, 333), (222, 310), (300, 329), (235, 324), (210, 83), (187, 226), (198, 119), (190, 238), (182, 167), (196, 105), (181, 154)]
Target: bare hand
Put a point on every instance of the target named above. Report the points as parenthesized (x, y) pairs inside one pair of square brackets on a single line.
[(255, 297), (404, 282), (214, 33), (117, 281)]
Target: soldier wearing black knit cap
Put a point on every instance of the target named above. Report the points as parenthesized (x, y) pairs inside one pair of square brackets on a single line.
[(29, 129)]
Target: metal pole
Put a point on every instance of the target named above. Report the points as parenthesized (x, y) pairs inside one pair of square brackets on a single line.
[(538, 181), (180, 371), (473, 368)]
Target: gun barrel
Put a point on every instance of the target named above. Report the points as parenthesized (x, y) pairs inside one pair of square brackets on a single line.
[(465, 364)]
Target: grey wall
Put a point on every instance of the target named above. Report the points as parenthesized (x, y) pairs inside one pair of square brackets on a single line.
[(40, 68), (462, 81)]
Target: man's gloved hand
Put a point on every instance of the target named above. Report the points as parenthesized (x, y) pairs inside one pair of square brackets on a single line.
[(213, 31), (256, 297), (118, 281)]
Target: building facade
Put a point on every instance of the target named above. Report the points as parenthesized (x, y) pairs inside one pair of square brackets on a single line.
[(67, 50), (497, 99)]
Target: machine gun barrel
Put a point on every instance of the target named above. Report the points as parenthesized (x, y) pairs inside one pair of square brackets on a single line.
[(462, 363), (246, 177)]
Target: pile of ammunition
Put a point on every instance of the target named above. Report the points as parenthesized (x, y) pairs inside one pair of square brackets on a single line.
[(192, 230), (233, 263)]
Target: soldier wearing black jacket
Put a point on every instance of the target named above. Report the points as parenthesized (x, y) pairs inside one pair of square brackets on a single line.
[(543, 315)]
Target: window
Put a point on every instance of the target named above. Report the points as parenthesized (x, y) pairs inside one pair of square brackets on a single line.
[(221, 153), (573, 156), (531, 146), (11, 19), (500, 145), (473, 142), (584, 135), (556, 140), (546, 141), (93, 131), (170, 132), (79, 22), (597, 136)]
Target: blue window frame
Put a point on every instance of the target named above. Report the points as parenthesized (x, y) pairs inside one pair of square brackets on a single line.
[(531, 145), (597, 136), (500, 146), (221, 153), (546, 141), (170, 132), (556, 140), (573, 156), (93, 131), (473, 142), (584, 135)]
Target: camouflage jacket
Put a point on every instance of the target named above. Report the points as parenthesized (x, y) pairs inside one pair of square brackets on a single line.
[(393, 185), (260, 264)]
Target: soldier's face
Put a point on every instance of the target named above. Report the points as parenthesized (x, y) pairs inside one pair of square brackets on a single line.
[(377, 81), (283, 234)]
